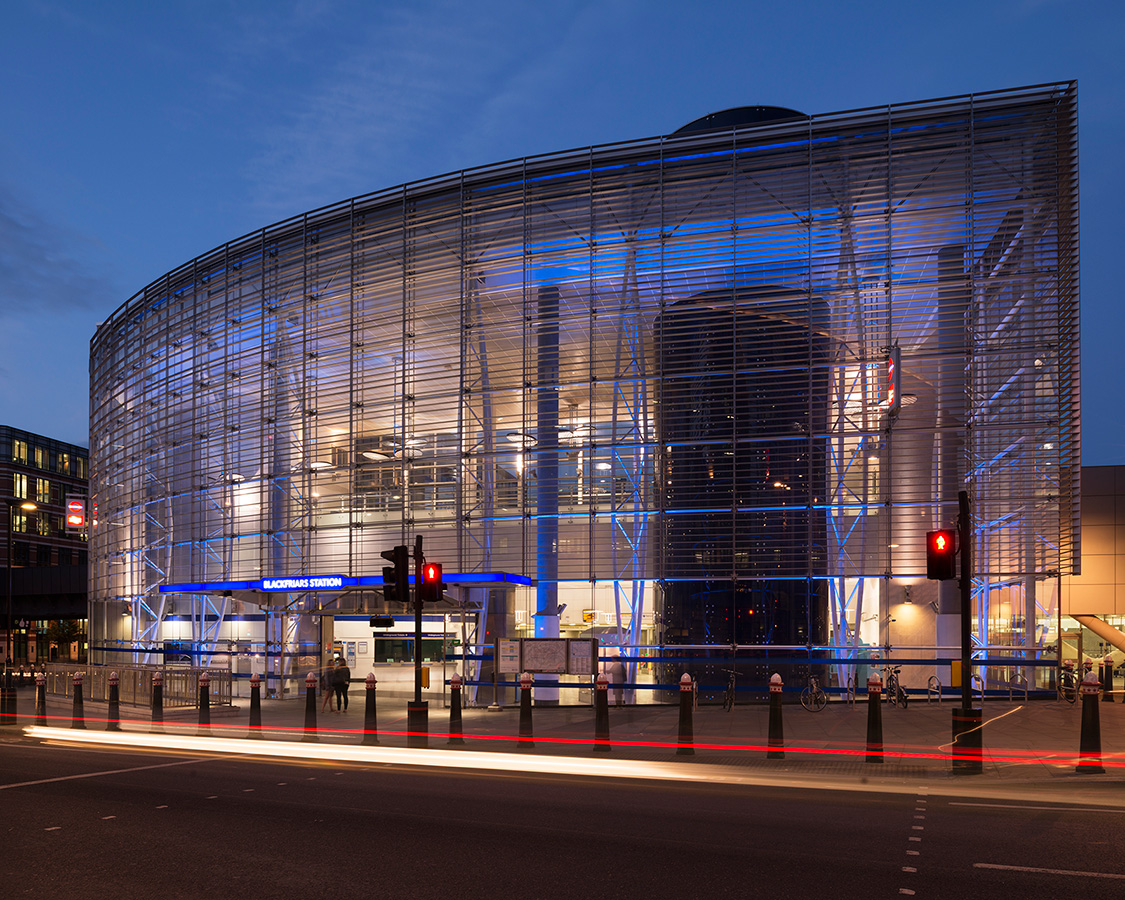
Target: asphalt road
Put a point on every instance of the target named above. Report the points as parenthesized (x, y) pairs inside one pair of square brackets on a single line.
[(81, 823)]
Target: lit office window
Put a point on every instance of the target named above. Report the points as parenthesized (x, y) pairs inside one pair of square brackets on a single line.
[(19, 520), (42, 490), (80, 467), (64, 463), (40, 457), (43, 524), (19, 451), (19, 485)]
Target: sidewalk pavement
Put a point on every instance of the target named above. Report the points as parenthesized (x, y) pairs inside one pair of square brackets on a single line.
[(1033, 743)]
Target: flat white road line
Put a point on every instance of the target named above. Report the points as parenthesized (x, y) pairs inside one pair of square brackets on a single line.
[(1039, 871), (19, 784), (1101, 809)]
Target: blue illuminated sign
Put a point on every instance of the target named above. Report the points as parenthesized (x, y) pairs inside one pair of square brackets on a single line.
[(302, 583), (331, 583)]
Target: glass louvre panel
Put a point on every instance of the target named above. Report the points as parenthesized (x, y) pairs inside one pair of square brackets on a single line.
[(663, 361)]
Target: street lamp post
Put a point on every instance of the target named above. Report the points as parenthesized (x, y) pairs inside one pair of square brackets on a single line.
[(8, 707)]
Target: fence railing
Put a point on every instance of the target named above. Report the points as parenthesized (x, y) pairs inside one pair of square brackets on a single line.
[(181, 683)]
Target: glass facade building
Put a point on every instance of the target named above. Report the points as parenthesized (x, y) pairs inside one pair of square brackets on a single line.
[(652, 377)]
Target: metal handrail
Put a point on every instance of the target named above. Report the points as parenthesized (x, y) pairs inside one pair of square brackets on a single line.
[(181, 683)]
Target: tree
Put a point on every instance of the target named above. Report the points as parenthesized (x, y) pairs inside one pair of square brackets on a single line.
[(63, 632)]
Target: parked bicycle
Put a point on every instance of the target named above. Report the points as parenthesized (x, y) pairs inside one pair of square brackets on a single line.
[(728, 695), (1068, 682), (813, 697), (896, 696)]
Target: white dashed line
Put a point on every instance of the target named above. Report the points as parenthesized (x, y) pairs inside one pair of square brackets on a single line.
[(107, 818), (165, 806), (247, 790), (913, 870), (213, 797), (54, 828)]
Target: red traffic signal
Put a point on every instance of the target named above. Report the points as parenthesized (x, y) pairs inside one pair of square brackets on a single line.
[(941, 554), (431, 587)]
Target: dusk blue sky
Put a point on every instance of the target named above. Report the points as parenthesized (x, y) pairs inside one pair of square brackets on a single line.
[(135, 136)]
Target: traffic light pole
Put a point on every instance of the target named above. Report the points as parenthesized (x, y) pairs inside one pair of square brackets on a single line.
[(965, 534), (967, 744), (419, 561)]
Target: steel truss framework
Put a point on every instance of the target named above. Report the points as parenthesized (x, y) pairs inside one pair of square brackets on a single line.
[(482, 358)]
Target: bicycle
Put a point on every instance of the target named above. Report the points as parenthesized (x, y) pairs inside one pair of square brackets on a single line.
[(896, 696), (813, 697), (728, 695), (1068, 683)]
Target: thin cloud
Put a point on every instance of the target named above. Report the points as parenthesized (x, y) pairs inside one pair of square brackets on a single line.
[(36, 273), (409, 90)]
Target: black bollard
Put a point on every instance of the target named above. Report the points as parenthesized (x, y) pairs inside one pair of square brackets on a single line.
[(370, 726), (1090, 741), (601, 714), (8, 692), (204, 705), (310, 709), (255, 706), (686, 739), (526, 734), (79, 718), (1107, 680), (157, 703), (455, 736), (41, 698), (874, 719), (113, 722), (777, 735), (5, 703)]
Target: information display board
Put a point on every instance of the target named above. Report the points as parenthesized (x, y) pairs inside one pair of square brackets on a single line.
[(508, 656), (547, 655)]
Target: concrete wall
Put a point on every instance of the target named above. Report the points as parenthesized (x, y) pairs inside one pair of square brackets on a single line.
[(1100, 589)]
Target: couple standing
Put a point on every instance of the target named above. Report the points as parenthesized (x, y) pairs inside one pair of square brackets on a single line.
[(334, 681)]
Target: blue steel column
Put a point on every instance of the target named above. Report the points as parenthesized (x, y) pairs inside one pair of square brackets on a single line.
[(547, 480)]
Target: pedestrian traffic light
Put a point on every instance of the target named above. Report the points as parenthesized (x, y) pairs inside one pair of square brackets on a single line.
[(396, 577), (431, 587), (941, 558)]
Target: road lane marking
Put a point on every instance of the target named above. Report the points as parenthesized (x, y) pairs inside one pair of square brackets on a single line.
[(107, 818), (18, 784), (1099, 809), (1048, 871), (165, 806), (54, 828)]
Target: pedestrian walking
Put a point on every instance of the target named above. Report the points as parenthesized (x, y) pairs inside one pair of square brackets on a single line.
[(341, 678), (616, 675), (326, 686)]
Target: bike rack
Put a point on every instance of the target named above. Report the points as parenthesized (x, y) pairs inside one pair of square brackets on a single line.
[(1019, 679), (980, 681), (849, 690), (933, 688)]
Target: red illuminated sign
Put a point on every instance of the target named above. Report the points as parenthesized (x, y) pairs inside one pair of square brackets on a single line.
[(75, 513)]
